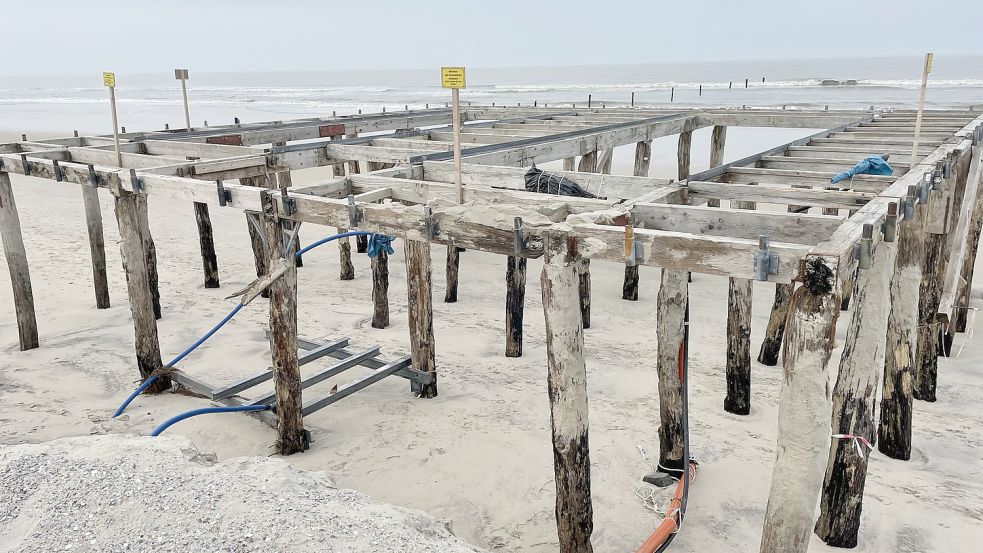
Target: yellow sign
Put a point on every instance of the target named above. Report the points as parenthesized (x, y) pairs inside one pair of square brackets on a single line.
[(109, 79), (452, 77), (928, 62)]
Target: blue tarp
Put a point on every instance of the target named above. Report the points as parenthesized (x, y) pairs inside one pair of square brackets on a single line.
[(870, 165)]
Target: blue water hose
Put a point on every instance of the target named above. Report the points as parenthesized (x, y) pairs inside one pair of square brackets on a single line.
[(153, 378), (150, 380), (205, 411), (313, 245)]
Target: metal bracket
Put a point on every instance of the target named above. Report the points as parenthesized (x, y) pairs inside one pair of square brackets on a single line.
[(433, 229), (633, 248), (890, 225), (923, 187), (253, 219), (24, 165), (518, 241), (765, 261), (93, 177), (135, 182), (354, 214), (57, 170), (865, 249), (947, 168), (288, 206), (224, 196), (291, 239)]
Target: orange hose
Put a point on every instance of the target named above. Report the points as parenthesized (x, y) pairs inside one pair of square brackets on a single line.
[(670, 523)]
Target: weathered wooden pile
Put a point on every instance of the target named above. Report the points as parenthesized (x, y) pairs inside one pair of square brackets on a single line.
[(911, 234)]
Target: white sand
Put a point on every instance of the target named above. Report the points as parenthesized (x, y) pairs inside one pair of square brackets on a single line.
[(478, 455)]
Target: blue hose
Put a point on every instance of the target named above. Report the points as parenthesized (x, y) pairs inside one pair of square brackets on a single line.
[(204, 411), (313, 245), (182, 355), (146, 383)]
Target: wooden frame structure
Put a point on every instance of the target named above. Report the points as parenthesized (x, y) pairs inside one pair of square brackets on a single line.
[(914, 232)]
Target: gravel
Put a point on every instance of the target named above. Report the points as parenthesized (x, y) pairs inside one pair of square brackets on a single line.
[(117, 493)]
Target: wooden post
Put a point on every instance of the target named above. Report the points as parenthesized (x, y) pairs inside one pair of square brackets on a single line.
[(347, 270), (515, 282), (670, 317), (772, 343), (569, 163), (283, 335), (208, 259), (605, 162), (682, 152), (453, 268), (718, 141), (894, 432), (20, 274), (643, 158), (133, 251), (150, 250), (456, 127), (380, 290), (420, 313), (588, 162), (926, 69), (739, 291), (256, 236), (961, 312), (803, 413), (567, 390), (284, 180), (97, 244), (854, 402)]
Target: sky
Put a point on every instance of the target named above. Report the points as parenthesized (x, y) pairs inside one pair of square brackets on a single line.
[(86, 36)]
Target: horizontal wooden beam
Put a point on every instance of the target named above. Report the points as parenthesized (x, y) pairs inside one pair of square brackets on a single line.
[(780, 195), (786, 177), (608, 186), (713, 255), (799, 228)]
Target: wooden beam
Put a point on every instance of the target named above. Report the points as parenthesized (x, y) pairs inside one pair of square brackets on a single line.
[(20, 274), (799, 228), (567, 386), (780, 195)]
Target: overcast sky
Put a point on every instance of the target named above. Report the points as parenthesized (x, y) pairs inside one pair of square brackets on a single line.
[(85, 36)]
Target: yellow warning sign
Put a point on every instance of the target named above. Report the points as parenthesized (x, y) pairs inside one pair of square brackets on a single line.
[(928, 62), (452, 77), (109, 79)]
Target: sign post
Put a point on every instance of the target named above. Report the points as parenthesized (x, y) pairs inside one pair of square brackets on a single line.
[(182, 75), (453, 78), (109, 79), (921, 107)]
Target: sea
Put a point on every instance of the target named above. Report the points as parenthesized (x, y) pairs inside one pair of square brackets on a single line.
[(52, 104)]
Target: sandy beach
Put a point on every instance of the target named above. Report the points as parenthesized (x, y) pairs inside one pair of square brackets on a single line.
[(478, 456)]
